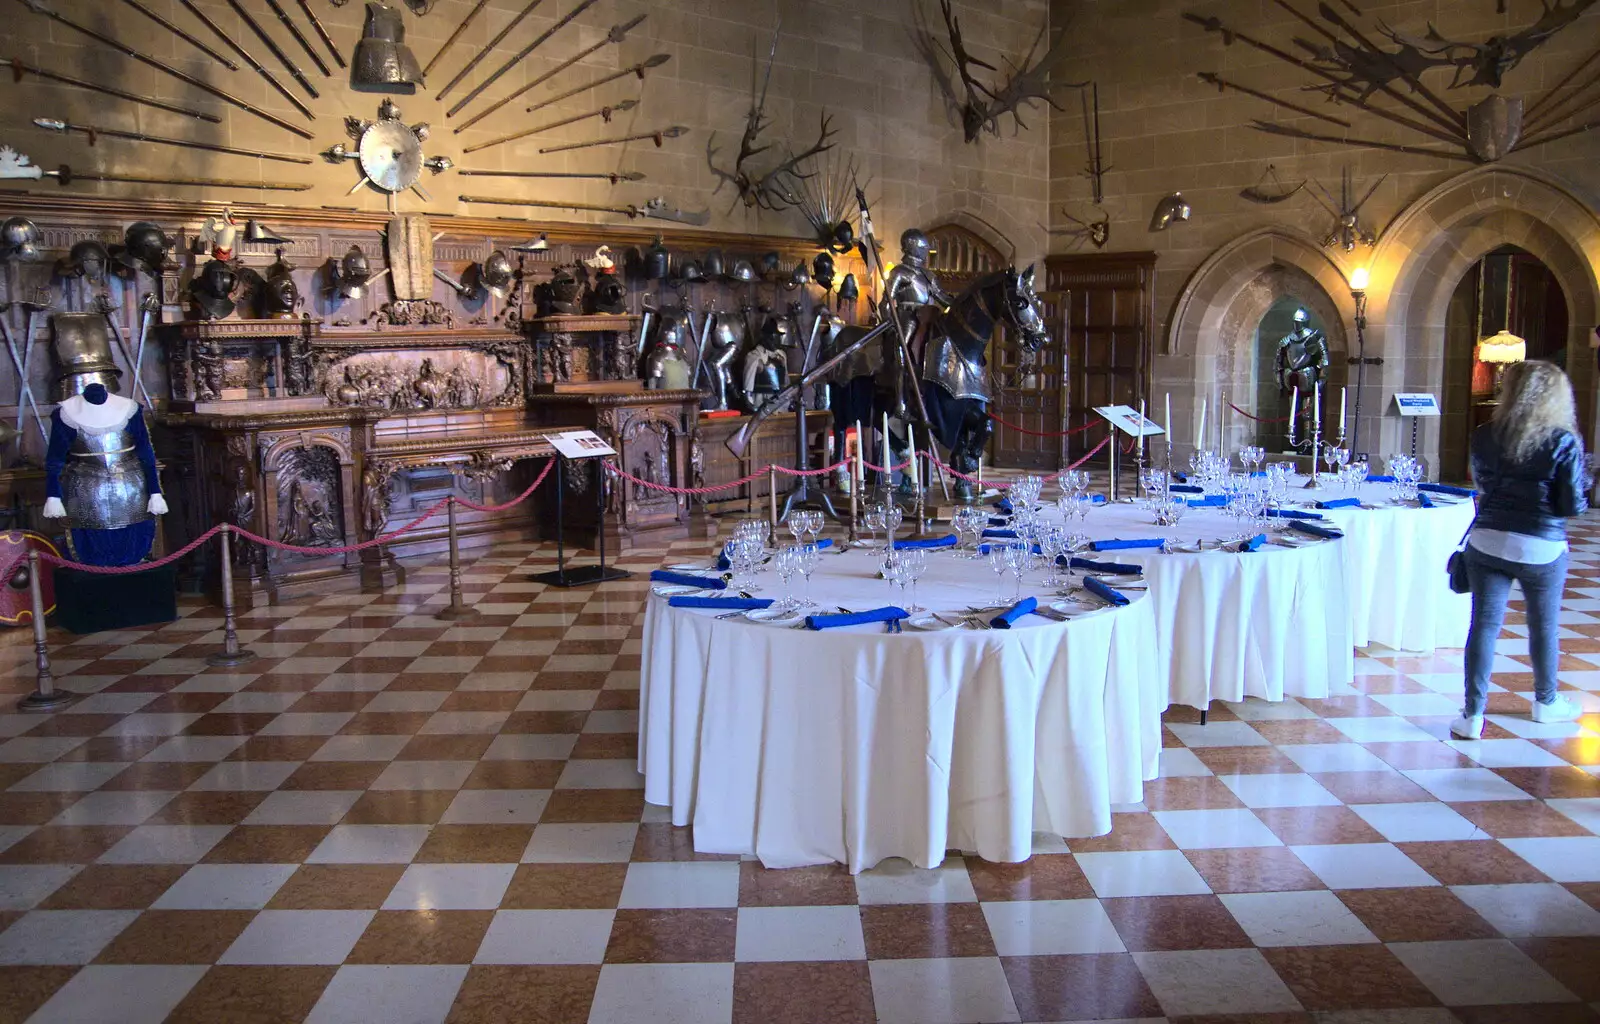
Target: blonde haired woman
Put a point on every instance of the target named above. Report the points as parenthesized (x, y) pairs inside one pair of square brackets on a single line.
[(1528, 464)]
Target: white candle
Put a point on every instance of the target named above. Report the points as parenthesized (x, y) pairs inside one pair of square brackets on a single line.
[(1141, 427), (861, 474), (1341, 411), (1200, 434), (1166, 423), (1294, 411), (888, 459), (911, 468), (1316, 405)]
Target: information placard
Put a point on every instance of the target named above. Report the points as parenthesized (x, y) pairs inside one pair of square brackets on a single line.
[(580, 444), (1127, 419), (1416, 404)]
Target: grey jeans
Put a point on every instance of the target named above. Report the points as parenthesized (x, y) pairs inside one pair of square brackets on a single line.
[(1491, 585)]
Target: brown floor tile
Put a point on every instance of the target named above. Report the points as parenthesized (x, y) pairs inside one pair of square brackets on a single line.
[(331, 700), (802, 993), (1051, 876), (277, 748), (545, 722), (607, 745), (337, 887), (386, 723), (617, 700), (1244, 760), (64, 844), (1518, 819), (1253, 869), (1530, 1013), (114, 887), (1426, 754), (399, 807), (515, 775), (568, 887), (1346, 707), (1552, 783), (208, 807), (1129, 831), (568, 681), (1588, 892), (1472, 862), (1416, 915), (346, 775), (28, 988), (1189, 793), (267, 844), (434, 681), (253, 995), (33, 808), (925, 930), (1577, 750), (1183, 714), (444, 748), (1097, 987), (1348, 977), (475, 844), (1571, 961), (672, 936), (594, 805), (1295, 731), (1316, 826), (825, 885), (662, 841), (546, 995), (422, 937), (1149, 923), (176, 937), (1388, 787), (11, 774), (234, 724), (115, 748), (482, 700), (74, 725)]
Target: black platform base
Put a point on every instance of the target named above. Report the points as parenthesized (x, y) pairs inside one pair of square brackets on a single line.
[(90, 602), (580, 575)]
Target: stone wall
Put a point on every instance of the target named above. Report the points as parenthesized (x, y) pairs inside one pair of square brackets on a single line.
[(855, 61), (1165, 130)]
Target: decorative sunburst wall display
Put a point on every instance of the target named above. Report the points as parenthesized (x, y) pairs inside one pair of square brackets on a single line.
[(1372, 73)]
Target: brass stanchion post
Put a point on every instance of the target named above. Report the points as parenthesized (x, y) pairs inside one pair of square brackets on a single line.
[(231, 654), (855, 502), (45, 696), (456, 610), (772, 494)]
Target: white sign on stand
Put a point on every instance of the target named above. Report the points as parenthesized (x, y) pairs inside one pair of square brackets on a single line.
[(1416, 404), (580, 444), (1127, 419)]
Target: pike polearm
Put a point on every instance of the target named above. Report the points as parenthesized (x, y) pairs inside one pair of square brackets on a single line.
[(294, 30), (656, 208), (448, 42), (93, 131), (181, 34), (653, 61), (244, 55), (496, 41), (273, 47), (617, 34), (613, 177), (517, 58), (18, 69), (38, 7), (603, 113), (65, 175), (322, 33), (658, 137)]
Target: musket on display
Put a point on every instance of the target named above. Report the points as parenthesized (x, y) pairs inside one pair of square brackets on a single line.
[(322, 33), (94, 132), (294, 30), (246, 56), (450, 41), (16, 166), (274, 48), (477, 58), (181, 34), (655, 209), (520, 55), (658, 137), (617, 34), (653, 61), (38, 7), (604, 113), (19, 68), (614, 176)]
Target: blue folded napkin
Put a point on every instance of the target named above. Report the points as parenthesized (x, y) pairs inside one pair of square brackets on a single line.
[(1109, 568), (687, 579), (948, 541), (1209, 501), (1001, 534), (1339, 503), (1254, 543), (1379, 478), (1460, 492), (1258, 472), (1004, 505), (984, 549), (1104, 592), (1185, 489), (1006, 618), (884, 614), (1292, 513), (999, 520), (1182, 478), (1097, 499), (1123, 545), (1424, 500), (1314, 530), (723, 563), (724, 603)]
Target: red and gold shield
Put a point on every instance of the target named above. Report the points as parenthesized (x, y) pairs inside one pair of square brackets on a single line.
[(16, 604)]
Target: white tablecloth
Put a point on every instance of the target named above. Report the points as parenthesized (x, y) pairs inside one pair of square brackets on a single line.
[(853, 745)]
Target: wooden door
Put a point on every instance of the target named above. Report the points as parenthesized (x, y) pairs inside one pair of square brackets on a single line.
[(1106, 307)]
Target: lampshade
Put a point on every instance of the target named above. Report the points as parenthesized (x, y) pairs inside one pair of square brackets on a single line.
[(1503, 347), (1358, 279)]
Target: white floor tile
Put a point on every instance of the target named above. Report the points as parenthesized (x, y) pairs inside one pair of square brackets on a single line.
[(70, 777), (965, 990), (298, 937), (196, 749), (1279, 789), (799, 934), (1418, 705), (581, 844), (124, 993), (1179, 762), (1479, 971), (304, 807), (1141, 873), (450, 887), (1531, 909), (681, 884), (1516, 753), (225, 887), (1253, 710), (424, 775), (546, 937), (601, 774), (1565, 859), (1583, 810), (395, 994), (114, 807), (1215, 981), (1334, 757), (360, 748), (23, 886), (465, 723), (369, 844), (1418, 822), (1216, 829), (1363, 866), (165, 844), (61, 936), (898, 881), (1219, 734), (307, 723), (253, 776), (1380, 729), (1465, 785), (1313, 918), (530, 747), (407, 700), (496, 807), (1051, 927)]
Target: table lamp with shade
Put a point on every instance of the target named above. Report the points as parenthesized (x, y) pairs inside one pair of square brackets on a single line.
[(1499, 351)]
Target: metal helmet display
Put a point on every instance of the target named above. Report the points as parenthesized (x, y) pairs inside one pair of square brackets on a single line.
[(690, 273), (80, 347), (497, 274), (86, 259), (713, 265), (656, 260), (743, 271), (849, 291), (1172, 209), (255, 231), (212, 289), (822, 270), (19, 239), (351, 274), (144, 244)]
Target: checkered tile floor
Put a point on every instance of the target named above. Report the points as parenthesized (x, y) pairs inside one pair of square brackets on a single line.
[(390, 818)]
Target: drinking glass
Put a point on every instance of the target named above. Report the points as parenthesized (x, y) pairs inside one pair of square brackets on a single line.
[(787, 564), (913, 564), (797, 524), (808, 559), (998, 566), (811, 524), (1052, 544), (893, 516), (1074, 544), (873, 521), (1017, 556), (1252, 456)]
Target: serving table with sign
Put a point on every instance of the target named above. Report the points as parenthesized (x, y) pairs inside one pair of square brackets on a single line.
[(852, 745)]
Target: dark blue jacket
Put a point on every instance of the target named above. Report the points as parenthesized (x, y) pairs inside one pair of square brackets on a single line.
[(1536, 497)]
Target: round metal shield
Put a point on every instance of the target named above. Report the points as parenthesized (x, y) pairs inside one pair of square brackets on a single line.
[(16, 603), (391, 155)]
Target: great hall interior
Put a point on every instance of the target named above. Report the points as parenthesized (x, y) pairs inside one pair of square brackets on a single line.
[(922, 511)]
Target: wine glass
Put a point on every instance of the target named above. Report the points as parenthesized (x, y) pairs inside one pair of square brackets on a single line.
[(893, 516), (1018, 554), (1252, 456), (913, 564), (969, 522), (873, 521), (1074, 544), (812, 522), (807, 560), (1052, 544), (998, 566), (796, 523), (787, 564)]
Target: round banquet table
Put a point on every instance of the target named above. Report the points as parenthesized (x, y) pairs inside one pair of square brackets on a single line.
[(852, 745)]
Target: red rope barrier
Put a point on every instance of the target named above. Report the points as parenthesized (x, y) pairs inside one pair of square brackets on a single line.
[(548, 465), (1258, 419), (1044, 433), (617, 470)]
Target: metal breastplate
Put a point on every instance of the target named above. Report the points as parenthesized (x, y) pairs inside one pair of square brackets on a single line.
[(666, 369), (945, 365), (1302, 354), (864, 362), (909, 287), (102, 484)]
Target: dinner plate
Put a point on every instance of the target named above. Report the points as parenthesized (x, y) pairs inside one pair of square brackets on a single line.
[(928, 622), (692, 567), (775, 616), (674, 589), (1072, 607)]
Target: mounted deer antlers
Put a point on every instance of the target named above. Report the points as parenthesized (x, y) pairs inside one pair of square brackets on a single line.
[(777, 188), (983, 105)]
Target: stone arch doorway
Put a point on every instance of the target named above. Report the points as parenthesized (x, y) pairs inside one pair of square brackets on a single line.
[(1221, 326)]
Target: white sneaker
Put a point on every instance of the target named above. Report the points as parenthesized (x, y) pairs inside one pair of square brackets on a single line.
[(1468, 727), (1561, 709)]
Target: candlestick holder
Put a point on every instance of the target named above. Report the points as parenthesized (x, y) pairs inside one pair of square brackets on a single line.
[(1138, 470), (1316, 446)]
